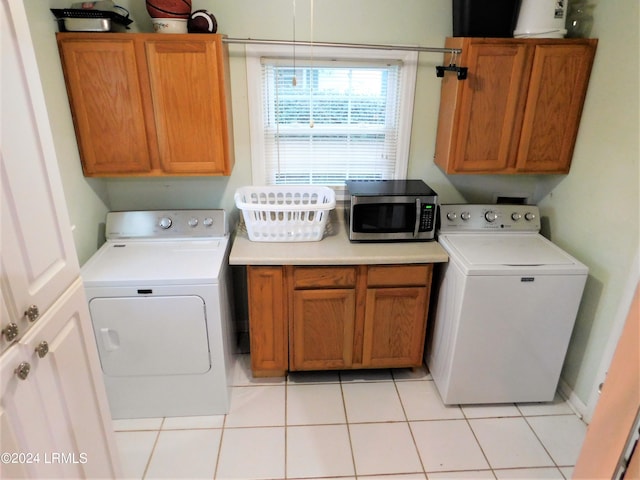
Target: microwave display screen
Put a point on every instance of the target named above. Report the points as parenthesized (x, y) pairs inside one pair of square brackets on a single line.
[(384, 217)]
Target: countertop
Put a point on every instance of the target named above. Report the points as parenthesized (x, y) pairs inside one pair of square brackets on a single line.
[(334, 249)]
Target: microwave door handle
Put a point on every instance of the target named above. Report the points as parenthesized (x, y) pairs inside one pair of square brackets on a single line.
[(416, 227)]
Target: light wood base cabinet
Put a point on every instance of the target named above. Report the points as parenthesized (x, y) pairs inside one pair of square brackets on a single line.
[(337, 317), (149, 104), (268, 321), (519, 109)]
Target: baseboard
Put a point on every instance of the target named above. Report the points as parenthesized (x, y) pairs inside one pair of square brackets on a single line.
[(577, 405)]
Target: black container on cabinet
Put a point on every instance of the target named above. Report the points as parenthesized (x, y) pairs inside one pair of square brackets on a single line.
[(485, 18)]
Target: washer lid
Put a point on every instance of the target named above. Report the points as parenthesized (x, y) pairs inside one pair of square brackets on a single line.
[(482, 252), (148, 262)]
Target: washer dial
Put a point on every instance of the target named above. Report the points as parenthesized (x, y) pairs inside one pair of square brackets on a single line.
[(491, 216), (165, 223)]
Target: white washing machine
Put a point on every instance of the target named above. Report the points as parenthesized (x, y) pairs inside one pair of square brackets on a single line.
[(158, 293), (507, 303)]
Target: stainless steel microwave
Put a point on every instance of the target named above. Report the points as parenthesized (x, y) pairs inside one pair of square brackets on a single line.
[(390, 210)]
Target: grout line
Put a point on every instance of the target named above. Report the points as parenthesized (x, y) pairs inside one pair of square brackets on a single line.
[(413, 438), (286, 424), (346, 419), (486, 458), (153, 449), (224, 423), (541, 442)]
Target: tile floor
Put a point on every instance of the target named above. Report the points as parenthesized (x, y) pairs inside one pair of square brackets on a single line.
[(353, 425)]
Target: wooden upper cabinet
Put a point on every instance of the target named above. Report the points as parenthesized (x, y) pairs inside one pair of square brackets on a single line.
[(556, 93), (103, 84), (149, 104), (519, 109)]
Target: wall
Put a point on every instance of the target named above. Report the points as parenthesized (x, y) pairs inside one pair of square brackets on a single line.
[(593, 212), (584, 209)]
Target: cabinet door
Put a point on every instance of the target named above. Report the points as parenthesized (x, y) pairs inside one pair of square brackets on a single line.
[(104, 89), (476, 130), (395, 326), (267, 321), (189, 102), (60, 407), (322, 330), (38, 259), (559, 80)]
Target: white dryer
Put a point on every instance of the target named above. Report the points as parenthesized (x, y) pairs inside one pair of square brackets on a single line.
[(158, 293), (507, 303)]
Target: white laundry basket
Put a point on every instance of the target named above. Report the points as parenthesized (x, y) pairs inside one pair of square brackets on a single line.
[(285, 213)]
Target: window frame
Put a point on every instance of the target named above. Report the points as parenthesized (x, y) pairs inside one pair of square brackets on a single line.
[(254, 55)]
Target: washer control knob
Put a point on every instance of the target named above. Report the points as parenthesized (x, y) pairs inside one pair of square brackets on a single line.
[(515, 216), (491, 216), (465, 216), (207, 222), (529, 216), (165, 222), (451, 216), (193, 222)]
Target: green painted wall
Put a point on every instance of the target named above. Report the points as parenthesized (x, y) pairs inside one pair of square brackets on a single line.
[(593, 212)]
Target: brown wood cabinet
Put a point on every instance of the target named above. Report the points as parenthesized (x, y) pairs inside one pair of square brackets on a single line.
[(268, 321), (519, 109), (337, 317), (149, 104)]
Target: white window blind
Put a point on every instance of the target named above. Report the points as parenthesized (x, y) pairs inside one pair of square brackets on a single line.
[(324, 119)]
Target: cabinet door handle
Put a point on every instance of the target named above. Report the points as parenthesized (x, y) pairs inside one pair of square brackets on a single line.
[(42, 349), (10, 331), (22, 372), (32, 313)]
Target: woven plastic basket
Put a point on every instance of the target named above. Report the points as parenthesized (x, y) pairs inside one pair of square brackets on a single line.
[(285, 213)]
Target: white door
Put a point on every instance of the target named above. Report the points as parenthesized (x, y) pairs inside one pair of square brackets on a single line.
[(165, 335), (38, 259), (60, 407)]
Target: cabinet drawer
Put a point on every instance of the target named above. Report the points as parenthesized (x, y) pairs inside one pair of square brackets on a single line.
[(324, 277), (398, 275)]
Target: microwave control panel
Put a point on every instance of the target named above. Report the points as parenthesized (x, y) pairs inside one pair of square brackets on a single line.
[(427, 216)]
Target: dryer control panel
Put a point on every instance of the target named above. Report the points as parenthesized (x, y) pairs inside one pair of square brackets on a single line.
[(479, 218), (167, 224)]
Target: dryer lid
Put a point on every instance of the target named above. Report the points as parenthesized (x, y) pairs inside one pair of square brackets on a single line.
[(139, 263)]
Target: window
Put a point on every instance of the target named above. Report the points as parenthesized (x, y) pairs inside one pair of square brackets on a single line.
[(321, 115)]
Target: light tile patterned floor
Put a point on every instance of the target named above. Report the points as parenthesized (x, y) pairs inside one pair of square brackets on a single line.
[(361, 425)]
